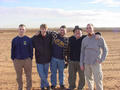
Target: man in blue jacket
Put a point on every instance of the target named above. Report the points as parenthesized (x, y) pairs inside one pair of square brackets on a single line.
[(59, 54), (22, 54)]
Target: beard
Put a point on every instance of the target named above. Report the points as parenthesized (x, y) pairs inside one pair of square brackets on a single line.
[(90, 34)]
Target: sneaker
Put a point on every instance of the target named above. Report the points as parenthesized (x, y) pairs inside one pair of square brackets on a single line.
[(52, 87), (43, 88), (62, 86), (68, 89), (48, 88)]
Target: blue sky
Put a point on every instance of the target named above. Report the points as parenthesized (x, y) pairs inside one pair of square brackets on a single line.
[(102, 13)]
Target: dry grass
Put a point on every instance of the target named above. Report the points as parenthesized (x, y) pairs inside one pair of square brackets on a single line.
[(111, 67)]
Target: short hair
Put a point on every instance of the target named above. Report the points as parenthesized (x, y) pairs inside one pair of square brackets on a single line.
[(63, 26), (91, 24), (44, 26), (22, 25)]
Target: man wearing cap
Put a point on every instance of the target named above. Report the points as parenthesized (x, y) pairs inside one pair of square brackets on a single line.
[(74, 59)]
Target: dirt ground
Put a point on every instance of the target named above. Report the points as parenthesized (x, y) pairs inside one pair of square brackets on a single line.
[(111, 67)]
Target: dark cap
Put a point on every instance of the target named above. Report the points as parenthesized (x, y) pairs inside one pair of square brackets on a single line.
[(98, 33), (77, 28)]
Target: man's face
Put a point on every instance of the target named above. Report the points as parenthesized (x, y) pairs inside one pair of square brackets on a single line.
[(21, 30), (43, 31), (78, 33), (62, 31), (89, 29)]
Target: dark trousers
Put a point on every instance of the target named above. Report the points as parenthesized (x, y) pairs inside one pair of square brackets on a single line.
[(74, 67)]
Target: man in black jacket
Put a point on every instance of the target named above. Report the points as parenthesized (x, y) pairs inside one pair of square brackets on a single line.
[(74, 57), (43, 44)]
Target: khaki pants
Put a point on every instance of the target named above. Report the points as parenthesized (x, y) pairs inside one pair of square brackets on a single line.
[(74, 67), (25, 64), (94, 73)]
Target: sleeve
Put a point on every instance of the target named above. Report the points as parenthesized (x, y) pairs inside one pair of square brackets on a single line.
[(54, 34), (31, 49), (104, 48), (66, 50), (13, 50), (82, 55), (32, 40)]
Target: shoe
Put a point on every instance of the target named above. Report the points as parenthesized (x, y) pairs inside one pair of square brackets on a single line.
[(48, 88), (62, 86), (43, 88), (52, 87), (68, 89)]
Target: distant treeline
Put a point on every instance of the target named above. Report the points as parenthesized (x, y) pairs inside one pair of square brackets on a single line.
[(101, 29)]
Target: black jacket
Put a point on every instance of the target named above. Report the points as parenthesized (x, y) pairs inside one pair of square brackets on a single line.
[(42, 47), (75, 48)]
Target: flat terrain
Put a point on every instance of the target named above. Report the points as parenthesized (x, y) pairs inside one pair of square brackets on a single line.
[(111, 67)]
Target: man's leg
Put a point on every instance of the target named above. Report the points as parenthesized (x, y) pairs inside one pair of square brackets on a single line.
[(28, 72), (40, 69), (18, 65), (53, 68), (89, 76), (46, 67), (72, 75), (81, 77), (98, 77), (61, 65)]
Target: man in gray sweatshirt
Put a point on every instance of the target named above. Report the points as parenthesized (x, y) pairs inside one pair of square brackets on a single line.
[(92, 57)]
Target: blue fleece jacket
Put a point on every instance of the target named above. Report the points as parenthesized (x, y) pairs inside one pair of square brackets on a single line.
[(21, 48)]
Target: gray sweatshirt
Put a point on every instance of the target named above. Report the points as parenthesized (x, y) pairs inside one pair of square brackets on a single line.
[(93, 50)]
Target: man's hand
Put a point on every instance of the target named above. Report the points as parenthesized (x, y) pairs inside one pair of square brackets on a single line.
[(82, 68), (37, 33), (98, 61), (66, 65)]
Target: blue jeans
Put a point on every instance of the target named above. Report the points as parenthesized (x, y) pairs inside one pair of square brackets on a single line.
[(57, 64), (43, 73)]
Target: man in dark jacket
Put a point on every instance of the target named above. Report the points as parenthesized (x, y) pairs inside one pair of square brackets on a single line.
[(74, 57), (43, 44), (59, 53)]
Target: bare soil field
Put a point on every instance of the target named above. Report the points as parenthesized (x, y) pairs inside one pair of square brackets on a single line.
[(111, 67)]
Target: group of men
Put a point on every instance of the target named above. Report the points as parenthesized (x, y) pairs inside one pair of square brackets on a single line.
[(82, 53)]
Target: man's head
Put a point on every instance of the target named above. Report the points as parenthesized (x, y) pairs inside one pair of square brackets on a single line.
[(21, 30), (77, 32), (43, 29), (62, 30), (90, 29)]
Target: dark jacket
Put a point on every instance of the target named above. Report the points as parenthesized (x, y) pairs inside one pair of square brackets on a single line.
[(21, 48), (59, 47), (75, 48), (42, 47)]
